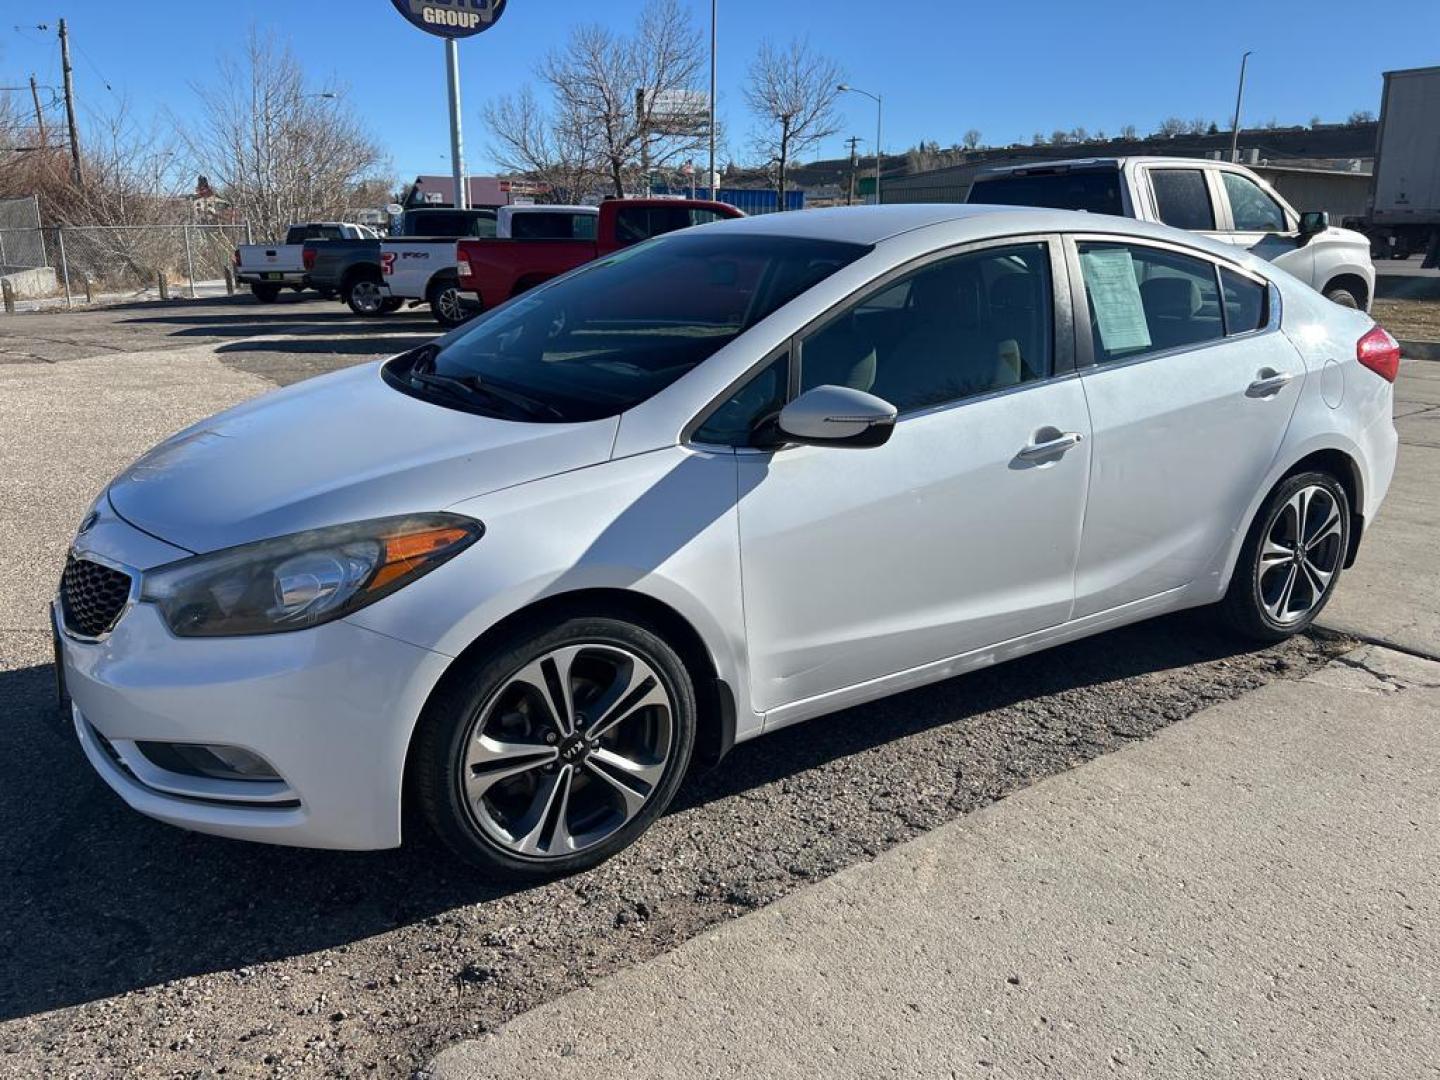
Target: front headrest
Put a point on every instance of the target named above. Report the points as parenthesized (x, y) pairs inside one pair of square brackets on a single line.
[(1014, 292), (1171, 297)]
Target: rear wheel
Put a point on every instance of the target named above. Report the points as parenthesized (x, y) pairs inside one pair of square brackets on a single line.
[(558, 748), (449, 305), (266, 294), (1343, 296), (365, 298), (1292, 558)]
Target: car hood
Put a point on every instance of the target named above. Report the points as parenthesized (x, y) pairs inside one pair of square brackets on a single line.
[(340, 448)]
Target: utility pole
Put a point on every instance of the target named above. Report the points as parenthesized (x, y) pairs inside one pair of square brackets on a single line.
[(852, 142), (710, 176), (1235, 127), (76, 173), (39, 113)]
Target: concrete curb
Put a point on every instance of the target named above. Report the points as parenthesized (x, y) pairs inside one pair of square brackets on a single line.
[(1420, 350)]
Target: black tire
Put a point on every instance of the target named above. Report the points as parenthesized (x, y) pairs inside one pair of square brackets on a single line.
[(1250, 603), (266, 294), (1343, 296), (450, 306), (473, 696)]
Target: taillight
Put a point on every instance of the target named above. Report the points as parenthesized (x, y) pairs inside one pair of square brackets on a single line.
[(462, 268), (308, 258), (1379, 352)]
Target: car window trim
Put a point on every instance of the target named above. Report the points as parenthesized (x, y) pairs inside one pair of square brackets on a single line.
[(1084, 335), (1064, 339)]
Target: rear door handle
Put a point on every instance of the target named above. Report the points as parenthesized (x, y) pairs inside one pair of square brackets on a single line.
[(1051, 447), (1269, 382)]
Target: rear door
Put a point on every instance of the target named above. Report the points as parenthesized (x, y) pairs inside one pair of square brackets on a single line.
[(1191, 388), (1183, 198)]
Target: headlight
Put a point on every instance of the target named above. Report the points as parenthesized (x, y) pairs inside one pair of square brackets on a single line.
[(293, 582)]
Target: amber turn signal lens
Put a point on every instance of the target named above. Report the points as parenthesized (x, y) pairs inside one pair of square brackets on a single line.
[(406, 551)]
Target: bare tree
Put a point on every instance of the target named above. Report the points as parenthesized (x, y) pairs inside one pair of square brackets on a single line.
[(277, 149), (1360, 116), (613, 98), (792, 94), (1079, 135), (1059, 137), (1038, 139), (1129, 132), (557, 151), (1170, 127), (972, 139)]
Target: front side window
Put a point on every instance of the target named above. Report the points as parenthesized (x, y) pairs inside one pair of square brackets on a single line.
[(1145, 300), (957, 328), (1182, 198), (619, 330), (1251, 209)]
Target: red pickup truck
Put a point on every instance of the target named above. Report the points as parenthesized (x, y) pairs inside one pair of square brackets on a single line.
[(495, 270)]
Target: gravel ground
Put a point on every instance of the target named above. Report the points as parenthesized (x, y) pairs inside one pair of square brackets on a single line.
[(137, 950)]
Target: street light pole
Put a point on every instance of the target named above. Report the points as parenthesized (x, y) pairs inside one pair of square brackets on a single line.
[(1235, 127), (710, 176), (879, 113), (457, 146)]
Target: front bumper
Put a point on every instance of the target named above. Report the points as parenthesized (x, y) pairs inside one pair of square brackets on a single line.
[(331, 709)]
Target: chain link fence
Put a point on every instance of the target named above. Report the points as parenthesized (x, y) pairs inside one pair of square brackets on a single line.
[(118, 258), (21, 245)]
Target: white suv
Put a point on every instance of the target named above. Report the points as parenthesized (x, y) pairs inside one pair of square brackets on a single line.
[(1226, 202)]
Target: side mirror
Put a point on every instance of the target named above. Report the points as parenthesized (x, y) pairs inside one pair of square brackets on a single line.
[(837, 416), (1313, 222)]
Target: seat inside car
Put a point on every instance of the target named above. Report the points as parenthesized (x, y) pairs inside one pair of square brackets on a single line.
[(1173, 312)]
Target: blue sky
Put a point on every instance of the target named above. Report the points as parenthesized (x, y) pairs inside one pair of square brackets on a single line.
[(1007, 69)]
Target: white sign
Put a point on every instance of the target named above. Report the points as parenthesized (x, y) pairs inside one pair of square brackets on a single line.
[(1115, 297)]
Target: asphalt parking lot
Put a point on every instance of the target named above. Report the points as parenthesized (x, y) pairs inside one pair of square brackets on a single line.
[(136, 949)]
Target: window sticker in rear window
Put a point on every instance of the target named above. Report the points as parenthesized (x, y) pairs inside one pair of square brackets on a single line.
[(1115, 299)]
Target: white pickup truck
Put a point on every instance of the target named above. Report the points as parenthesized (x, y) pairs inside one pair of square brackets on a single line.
[(423, 271), (269, 268), (1226, 202)]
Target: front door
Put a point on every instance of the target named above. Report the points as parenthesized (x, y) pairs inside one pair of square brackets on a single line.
[(962, 531)]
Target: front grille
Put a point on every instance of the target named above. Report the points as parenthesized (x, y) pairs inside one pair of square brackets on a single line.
[(92, 596)]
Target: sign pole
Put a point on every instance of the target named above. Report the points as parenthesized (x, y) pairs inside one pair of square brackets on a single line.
[(457, 144)]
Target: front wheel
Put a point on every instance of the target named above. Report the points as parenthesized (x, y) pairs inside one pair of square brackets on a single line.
[(557, 749), (1292, 558), (365, 298)]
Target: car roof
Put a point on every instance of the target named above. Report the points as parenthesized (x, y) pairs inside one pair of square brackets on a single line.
[(551, 208), (1108, 163)]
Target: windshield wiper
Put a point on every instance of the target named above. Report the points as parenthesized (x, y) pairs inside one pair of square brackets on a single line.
[(471, 391)]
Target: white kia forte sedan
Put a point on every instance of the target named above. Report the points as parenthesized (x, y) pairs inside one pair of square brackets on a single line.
[(730, 479)]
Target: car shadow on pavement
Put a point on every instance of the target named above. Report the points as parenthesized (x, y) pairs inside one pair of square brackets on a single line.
[(99, 900)]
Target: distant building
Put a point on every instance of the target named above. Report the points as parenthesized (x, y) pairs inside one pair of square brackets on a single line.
[(483, 191)]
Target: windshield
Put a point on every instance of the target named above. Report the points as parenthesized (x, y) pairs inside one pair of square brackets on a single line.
[(604, 339), (1095, 190)]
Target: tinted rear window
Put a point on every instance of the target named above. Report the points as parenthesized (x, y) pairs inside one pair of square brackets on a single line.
[(1095, 190), (558, 226), (607, 337)]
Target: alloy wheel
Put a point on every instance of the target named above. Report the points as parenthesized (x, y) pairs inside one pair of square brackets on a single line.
[(568, 750), (366, 296), (451, 306), (1300, 555)]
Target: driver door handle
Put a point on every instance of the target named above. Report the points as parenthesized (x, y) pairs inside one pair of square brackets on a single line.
[(1051, 447), (1268, 382)]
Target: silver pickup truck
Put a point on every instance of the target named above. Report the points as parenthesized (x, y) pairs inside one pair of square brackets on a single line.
[(1226, 202), (269, 268)]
